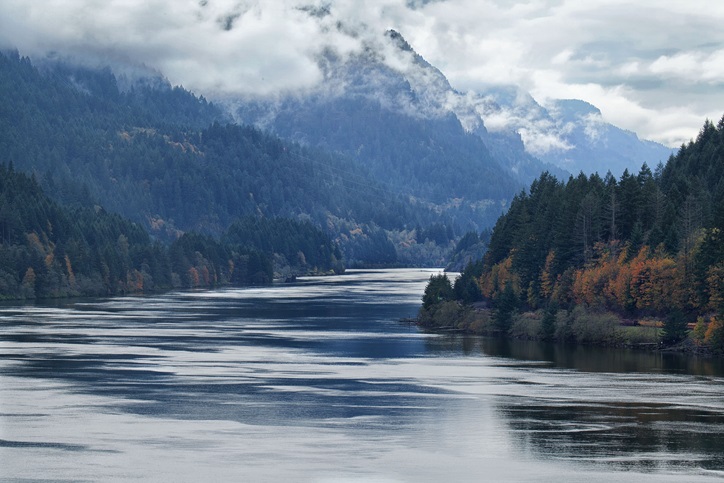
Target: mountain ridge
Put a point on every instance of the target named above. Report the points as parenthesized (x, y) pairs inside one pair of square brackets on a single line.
[(144, 154), (524, 137)]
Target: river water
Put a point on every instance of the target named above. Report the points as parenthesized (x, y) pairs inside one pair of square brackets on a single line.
[(319, 381)]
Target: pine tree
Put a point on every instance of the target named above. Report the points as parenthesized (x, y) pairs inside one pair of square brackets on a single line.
[(505, 305), (675, 328), (438, 290), (548, 323)]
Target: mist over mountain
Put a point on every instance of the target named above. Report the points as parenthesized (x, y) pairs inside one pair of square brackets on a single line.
[(568, 133), (389, 109), (390, 79)]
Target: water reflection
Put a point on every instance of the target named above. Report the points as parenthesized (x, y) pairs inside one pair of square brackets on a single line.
[(581, 358), (624, 436)]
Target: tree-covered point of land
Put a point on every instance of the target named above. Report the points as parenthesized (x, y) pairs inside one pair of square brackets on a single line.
[(647, 245)]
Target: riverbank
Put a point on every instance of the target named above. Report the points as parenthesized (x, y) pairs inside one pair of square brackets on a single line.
[(145, 286), (578, 326)]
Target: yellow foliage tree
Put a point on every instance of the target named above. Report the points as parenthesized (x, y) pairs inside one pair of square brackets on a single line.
[(194, 277), (28, 284), (494, 282), (546, 278)]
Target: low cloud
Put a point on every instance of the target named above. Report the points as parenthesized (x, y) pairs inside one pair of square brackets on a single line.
[(654, 66), (540, 133), (212, 46)]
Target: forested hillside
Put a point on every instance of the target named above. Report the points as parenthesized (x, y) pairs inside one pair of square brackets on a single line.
[(47, 250), (434, 159), (647, 245), (169, 161), (50, 251)]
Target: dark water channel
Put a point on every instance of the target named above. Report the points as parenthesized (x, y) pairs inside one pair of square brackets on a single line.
[(319, 381)]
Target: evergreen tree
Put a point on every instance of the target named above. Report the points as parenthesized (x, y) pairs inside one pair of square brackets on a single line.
[(548, 323), (675, 328), (437, 290), (505, 305)]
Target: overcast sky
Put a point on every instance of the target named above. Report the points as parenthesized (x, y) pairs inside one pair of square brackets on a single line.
[(652, 66)]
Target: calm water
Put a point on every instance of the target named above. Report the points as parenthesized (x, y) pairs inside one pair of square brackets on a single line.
[(318, 381)]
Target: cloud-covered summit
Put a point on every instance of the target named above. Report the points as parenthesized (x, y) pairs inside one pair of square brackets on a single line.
[(218, 47), (652, 66)]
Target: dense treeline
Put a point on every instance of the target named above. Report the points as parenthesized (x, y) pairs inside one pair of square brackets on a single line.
[(469, 248), (47, 250), (169, 161), (646, 245), (298, 246)]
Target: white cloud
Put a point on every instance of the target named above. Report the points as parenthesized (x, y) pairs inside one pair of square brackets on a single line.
[(219, 46), (653, 66), (691, 67), (538, 142)]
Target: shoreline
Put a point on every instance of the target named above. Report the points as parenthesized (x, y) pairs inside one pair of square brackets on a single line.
[(575, 327)]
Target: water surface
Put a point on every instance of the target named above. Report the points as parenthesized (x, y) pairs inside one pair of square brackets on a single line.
[(319, 381)]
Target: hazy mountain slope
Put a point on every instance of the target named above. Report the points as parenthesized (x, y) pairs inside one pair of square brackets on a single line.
[(365, 99), (142, 153), (377, 118), (570, 134)]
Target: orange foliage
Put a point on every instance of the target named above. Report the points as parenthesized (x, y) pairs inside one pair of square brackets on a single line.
[(69, 269), (194, 276), (134, 281), (654, 284), (647, 282), (29, 277), (714, 336), (712, 328), (502, 274), (34, 241)]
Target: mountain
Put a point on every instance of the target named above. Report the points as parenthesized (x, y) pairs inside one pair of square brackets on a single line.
[(381, 153), (389, 109), (168, 160), (383, 120)]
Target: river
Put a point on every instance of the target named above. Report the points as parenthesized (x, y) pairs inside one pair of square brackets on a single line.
[(319, 381)]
